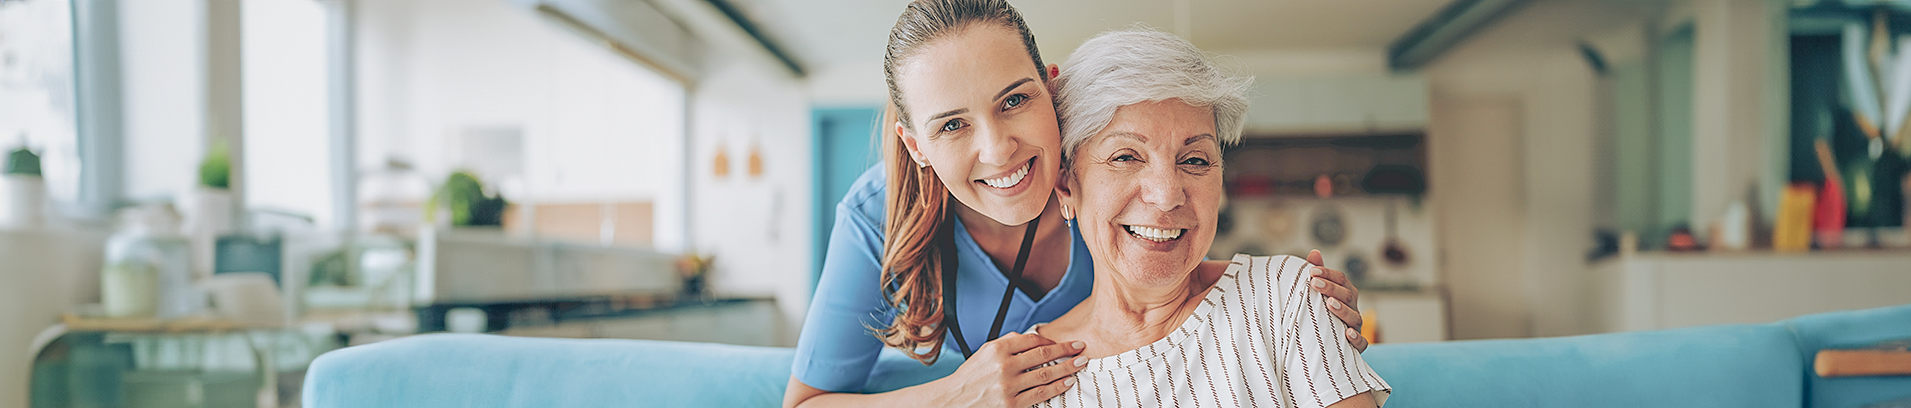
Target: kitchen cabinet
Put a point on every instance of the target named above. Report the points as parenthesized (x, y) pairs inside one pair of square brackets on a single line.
[(1652, 291), (1314, 106)]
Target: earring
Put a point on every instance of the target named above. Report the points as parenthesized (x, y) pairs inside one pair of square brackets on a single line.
[(1068, 213)]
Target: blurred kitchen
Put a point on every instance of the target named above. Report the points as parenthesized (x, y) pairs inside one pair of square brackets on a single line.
[(203, 195)]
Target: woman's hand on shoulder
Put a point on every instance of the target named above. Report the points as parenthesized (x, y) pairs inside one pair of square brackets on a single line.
[(1008, 372), (1342, 297)]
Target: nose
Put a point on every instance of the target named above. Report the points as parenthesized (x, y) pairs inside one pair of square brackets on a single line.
[(995, 147), (1162, 187)]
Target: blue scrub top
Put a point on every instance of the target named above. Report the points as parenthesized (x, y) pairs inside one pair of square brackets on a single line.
[(838, 349)]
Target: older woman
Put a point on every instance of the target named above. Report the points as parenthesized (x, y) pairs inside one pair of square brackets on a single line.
[(1145, 115)]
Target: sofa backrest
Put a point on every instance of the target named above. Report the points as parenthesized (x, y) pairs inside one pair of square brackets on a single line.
[(475, 370), (469, 370), (1767, 365), (1718, 366)]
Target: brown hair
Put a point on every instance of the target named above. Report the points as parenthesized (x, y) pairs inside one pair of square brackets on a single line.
[(912, 254)]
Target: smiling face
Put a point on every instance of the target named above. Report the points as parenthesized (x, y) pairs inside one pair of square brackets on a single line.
[(980, 114), (1146, 191)]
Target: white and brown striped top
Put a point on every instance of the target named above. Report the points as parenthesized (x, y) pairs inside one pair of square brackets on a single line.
[(1261, 338)]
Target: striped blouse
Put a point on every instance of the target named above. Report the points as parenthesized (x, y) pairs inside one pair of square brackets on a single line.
[(1261, 338)]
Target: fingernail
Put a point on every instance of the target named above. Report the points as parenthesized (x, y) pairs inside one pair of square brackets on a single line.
[(1070, 381), (1333, 303), (1320, 284), (1081, 361), (1078, 345), (1313, 271), (1351, 333)]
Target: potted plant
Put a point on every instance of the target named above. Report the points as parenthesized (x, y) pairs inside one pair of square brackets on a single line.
[(695, 270), (463, 196), (25, 191), (209, 207)]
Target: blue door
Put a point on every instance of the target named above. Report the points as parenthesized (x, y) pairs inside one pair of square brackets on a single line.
[(845, 147)]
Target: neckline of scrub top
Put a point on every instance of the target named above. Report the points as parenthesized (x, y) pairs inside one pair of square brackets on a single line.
[(969, 247)]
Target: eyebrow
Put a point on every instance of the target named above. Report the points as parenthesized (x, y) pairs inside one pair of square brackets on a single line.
[(945, 114), (1128, 135), (1011, 87), (998, 95), (1197, 138)]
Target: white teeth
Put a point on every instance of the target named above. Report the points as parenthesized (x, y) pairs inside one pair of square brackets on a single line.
[(1009, 180), (1155, 234)]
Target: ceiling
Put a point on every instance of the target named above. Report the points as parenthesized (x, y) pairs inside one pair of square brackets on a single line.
[(827, 32)]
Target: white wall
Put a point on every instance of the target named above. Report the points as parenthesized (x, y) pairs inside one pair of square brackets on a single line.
[(759, 228), (429, 68), (596, 126), (1519, 124), (1477, 195)]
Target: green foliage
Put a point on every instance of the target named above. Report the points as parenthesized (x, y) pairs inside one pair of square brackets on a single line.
[(216, 170), (463, 194), (23, 162)]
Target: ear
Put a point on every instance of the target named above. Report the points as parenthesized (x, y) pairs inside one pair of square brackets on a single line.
[(909, 143), (1053, 71), (1067, 193)]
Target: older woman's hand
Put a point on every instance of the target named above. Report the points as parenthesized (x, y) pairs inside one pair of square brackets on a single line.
[(1342, 298)]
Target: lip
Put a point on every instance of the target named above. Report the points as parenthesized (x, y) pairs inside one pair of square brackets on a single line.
[(1153, 245), (1016, 189)]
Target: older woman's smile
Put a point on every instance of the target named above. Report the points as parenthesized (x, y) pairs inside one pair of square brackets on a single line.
[(1154, 234)]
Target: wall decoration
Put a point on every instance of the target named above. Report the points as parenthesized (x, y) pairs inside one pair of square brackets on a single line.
[(720, 166), (755, 164)]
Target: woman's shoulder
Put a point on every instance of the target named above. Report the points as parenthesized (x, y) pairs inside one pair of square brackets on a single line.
[(1270, 265), (867, 196), (1267, 275)]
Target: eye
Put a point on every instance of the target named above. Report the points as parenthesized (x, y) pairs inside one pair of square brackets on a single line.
[(1195, 161), (1125, 157), (952, 125), (1014, 101)]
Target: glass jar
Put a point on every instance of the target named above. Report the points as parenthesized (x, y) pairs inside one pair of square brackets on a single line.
[(148, 269)]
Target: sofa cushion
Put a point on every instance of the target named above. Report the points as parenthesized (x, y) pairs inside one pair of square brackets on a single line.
[(1724, 366)]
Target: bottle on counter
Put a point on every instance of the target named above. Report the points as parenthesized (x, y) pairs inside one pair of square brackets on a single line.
[(148, 269), (22, 190)]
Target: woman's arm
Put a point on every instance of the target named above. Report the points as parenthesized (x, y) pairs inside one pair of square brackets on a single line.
[(837, 351), (1315, 363), (998, 375), (1364, 400)]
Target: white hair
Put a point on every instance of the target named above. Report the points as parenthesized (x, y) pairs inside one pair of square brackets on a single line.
[(1135, 65)]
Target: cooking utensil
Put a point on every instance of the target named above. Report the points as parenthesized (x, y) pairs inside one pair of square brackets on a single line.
[(1393, 251)]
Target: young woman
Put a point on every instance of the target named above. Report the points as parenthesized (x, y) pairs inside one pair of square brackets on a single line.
[(971, 118)]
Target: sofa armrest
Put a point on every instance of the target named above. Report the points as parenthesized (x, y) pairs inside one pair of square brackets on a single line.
[(1852, 329)]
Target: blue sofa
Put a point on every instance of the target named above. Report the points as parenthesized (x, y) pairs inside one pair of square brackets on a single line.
[(1760, 365)]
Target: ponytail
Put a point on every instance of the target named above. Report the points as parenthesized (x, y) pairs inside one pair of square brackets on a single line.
[(912, 258)]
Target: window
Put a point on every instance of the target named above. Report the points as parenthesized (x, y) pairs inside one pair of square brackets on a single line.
[(287, 113), (36, 89)]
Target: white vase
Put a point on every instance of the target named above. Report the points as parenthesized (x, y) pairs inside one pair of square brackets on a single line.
[(209, 214), (22, 201)]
